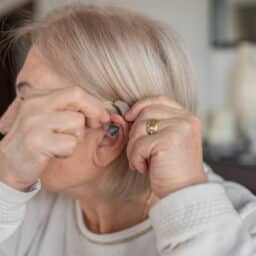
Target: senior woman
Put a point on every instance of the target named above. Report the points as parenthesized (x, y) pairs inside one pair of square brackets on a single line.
[(96, 162)]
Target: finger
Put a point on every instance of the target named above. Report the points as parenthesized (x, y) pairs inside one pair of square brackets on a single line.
[(141, 152), (140, 128), (146, 148), (140, 105), (68, 122), (60, 145), (158, 111), (93, 123), (52, 144), (76, 99)]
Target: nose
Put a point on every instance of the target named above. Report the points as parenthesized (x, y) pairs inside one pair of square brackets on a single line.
[(8, 118)]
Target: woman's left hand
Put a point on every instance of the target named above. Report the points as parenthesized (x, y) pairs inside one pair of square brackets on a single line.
[(173, 155)]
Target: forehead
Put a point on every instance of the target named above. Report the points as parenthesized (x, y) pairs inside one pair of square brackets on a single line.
[(39, 73)]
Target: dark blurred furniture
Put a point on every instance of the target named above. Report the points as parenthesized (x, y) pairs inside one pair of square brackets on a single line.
[(232, 22), (230, 169), (8, 63)]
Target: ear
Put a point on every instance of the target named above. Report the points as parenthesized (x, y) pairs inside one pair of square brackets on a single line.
[(109, 147)]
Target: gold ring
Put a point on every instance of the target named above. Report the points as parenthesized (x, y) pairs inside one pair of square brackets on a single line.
[(152, 126)]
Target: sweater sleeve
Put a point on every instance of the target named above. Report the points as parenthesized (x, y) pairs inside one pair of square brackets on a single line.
[(217, 218), (13, 208)]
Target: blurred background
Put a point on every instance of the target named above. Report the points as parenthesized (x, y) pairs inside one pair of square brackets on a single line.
[(220, 38)]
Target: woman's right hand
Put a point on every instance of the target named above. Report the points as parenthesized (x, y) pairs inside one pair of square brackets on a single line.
[(46, 126)]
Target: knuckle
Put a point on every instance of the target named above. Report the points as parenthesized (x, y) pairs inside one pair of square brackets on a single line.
[(69, 145), (80, 120), (145, 112), (77, 92), (163, 98), (195, 121), (98, 111), (186, 126), (72, 144)]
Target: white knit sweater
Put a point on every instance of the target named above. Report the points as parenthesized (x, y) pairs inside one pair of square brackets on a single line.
[(218, 218)]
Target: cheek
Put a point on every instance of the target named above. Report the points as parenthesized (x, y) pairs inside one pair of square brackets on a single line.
[(76, 170)]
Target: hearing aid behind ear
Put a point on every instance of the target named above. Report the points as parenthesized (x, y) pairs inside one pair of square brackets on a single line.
[(121, 106), (118, 107)]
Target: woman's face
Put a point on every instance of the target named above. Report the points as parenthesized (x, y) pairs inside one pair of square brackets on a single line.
[(78, 169)]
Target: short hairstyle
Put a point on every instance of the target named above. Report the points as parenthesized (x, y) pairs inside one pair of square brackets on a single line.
[(115, 54)]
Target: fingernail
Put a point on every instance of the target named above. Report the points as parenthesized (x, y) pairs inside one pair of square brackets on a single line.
[(127, 113), (127, 116)]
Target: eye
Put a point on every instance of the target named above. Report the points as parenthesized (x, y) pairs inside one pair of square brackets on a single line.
[(21, 89), (1, 136)]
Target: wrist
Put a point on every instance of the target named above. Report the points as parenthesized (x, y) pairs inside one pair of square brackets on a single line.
[(7, 178), (164, 192)]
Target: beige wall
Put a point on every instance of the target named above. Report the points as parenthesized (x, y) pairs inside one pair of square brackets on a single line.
[(188, 17)]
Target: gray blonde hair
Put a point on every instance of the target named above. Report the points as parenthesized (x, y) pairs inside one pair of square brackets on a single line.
[(115, 54)]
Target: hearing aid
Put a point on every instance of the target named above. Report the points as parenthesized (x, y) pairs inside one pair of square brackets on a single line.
[(121, 108), (113, 129)]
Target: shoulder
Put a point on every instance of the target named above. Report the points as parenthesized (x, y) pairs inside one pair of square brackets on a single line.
[(243, 200), (45, 202)]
